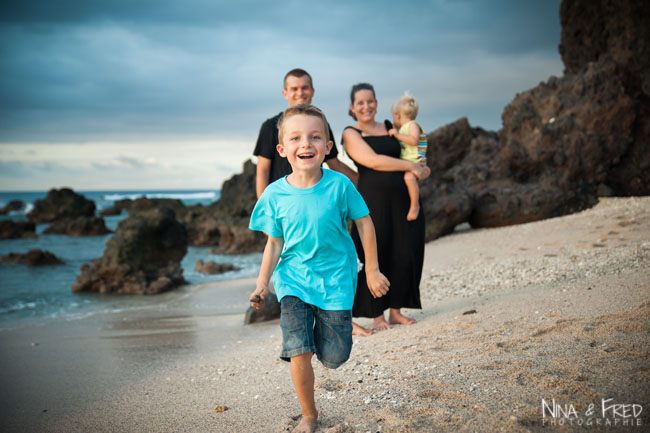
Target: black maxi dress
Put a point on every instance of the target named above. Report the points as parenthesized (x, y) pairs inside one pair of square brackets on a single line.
[(400, 243)]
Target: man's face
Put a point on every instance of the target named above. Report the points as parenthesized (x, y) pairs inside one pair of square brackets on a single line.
[(298, 90)]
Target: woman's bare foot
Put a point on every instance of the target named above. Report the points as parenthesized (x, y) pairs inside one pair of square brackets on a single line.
[(360, 330), (414, 211), (380, 324), (307, 424), (397, 318)]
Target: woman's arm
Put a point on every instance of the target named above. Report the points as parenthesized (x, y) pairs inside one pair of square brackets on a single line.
[(377, 282), (270, 259), (359, 151)]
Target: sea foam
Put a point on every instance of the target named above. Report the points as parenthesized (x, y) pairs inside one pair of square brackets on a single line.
[(205, 195)]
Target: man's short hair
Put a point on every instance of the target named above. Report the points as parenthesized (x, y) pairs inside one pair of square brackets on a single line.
[(297, 72)]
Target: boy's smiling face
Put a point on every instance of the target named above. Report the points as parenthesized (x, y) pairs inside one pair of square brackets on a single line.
[(304, 142)]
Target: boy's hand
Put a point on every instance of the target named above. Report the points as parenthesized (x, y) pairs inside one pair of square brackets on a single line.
[(392, 132), (257, 297), (377, 283)]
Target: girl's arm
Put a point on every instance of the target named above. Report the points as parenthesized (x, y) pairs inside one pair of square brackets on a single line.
[(410, 139), (377, 282), (272, 252), (359, 151)]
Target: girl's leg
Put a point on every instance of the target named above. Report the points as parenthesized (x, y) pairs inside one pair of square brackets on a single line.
[(302, 375), (397, 318), (414, 195)]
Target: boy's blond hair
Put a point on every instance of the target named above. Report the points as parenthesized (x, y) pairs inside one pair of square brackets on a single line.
[(306, 109), (407, 106)]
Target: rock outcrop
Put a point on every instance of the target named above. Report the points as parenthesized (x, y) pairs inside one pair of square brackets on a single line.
[(17, 229), (80, 226), (59, 204), (596, 35), (142, 258), (111, 211), (13, 205), (564, 142), (225, 223), (34, 257), (211, 267), (238, 194)]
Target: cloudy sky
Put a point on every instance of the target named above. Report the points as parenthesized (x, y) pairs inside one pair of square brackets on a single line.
[(170, 94)]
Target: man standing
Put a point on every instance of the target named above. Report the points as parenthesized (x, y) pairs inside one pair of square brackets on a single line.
[(298, 89)]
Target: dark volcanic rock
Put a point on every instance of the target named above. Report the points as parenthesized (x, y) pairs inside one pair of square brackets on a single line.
[(443, 211), (142, 258), (110, 211), (596, 34), (591, 28), (211, 267), (236, 238), (80, 226), (270, 311), (564, 142), (13, 205), (17, 230), (32, 258), (576, 127), (225, 223), (511, 203), (61, 203), (143, 204), (238, 193), (202, 225)]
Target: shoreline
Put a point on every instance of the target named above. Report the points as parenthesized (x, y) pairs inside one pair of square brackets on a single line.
[(562, 311)]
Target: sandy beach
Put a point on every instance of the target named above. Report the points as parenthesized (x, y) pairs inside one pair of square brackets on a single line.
[(555, 311)]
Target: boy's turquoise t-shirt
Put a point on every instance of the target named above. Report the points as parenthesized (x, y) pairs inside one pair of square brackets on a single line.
[(318, 263)]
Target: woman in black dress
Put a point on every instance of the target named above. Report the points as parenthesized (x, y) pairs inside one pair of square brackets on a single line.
[(400, 243)]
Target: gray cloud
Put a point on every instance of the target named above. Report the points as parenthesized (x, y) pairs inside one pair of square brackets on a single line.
[(90, 70), (133, 162)]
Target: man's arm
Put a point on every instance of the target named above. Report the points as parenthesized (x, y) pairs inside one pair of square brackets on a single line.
[(262, 175), (336, 165)]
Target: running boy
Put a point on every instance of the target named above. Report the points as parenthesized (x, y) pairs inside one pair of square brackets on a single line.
[(311, 255), (414, 146)]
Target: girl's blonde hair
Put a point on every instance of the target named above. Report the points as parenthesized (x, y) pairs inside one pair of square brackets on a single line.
[(407, 106)]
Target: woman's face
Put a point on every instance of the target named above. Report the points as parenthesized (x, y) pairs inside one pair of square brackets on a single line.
[(364, 106)]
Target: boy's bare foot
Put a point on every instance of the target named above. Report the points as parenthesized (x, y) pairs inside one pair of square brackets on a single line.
[(360, 330), (380, 324), (307, 424), (397, 318), (414, 211)]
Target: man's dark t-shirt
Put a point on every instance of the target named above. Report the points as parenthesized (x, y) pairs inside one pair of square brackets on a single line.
[(266, 147)]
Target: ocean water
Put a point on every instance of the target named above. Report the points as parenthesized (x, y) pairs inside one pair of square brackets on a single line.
[(36, 295)]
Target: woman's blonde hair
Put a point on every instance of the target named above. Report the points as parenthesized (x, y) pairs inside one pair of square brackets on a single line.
[(306, 109), (407, 106)]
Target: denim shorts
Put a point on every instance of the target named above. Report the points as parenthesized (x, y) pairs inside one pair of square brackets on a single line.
[(306, 328)]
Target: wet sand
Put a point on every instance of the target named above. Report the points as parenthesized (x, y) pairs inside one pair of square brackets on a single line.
[(552, 310)]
